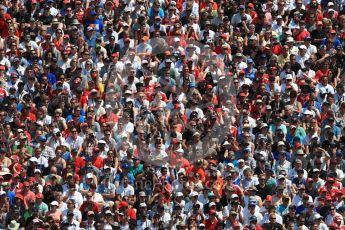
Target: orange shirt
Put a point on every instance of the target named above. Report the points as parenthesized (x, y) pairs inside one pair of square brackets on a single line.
[(98, 162)]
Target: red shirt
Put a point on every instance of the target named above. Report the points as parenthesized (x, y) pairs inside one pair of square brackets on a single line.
[(95, 207), (193, 171), (105, 118), (211, 224), (28, 196), (98, 162), (300, 36)]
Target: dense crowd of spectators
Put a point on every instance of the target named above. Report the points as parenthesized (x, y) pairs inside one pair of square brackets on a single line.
[(163, 114)]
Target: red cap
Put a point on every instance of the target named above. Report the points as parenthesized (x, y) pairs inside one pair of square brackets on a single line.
[(26, 183), (323, 189), (39, 196), (242, 72), (269, 198), (2, 67), (332, 31), (115, 54), (209, 87), (66, 36), (328, 198), (242, 94), (123, 204), (251, 5), (330, 179), (309, 180)]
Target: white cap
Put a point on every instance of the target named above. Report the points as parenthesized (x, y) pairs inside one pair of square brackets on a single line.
[(211, 204), (288, 76), (303, 47), (317, 216), (290, 39), (281, 143), (307, 112), (192, 194), (176, 39), (89, 175), (230, 164), (108, 106), (56, 130), (315, 136), (179, 194), (54, 203), (233, 196), (33, 159), (102, 142), (2, 192), (37, 171), (330, 4), (182, 170)]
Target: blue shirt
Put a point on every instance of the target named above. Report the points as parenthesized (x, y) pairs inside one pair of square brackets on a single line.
[(131, 179), (250, 74), (91, 42), (98, 25), (336, 42), (300, 209), (150, 12)]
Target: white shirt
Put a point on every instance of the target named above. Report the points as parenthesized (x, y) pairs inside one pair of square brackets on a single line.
[(77, 197), (297, 200), (128, 191)]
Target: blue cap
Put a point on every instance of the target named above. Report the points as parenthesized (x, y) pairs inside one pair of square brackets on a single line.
[(191, 85), (211, 193), (339, 153), (249, 60), (93, 13), (43, 138), (125, 166)]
